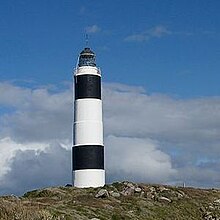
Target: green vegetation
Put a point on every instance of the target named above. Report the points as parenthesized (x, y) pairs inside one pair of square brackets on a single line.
[(117, 201)]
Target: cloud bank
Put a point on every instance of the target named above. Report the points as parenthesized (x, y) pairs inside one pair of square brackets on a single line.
[(148, 138)]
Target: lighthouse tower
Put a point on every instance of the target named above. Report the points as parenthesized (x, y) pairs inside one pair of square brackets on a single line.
[(88, 148)]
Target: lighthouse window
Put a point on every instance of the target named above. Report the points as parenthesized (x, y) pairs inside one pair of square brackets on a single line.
[(87, 60)]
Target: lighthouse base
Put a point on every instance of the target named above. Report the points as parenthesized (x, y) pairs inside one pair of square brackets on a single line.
[(89, 178)]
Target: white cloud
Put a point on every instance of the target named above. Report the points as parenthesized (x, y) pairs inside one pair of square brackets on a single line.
[(152, 138), (93, 29), (137, 37), (39, 115), (8, 149), (158, 31), (31, 169), (154, 32), (136, 159), (161, 117)]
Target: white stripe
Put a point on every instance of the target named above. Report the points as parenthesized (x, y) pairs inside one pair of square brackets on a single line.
[(89, 178), (88, 109), (87, 70), (88, 132)]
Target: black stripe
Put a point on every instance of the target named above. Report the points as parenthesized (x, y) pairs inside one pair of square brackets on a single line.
[(87, 86), (88, 157)]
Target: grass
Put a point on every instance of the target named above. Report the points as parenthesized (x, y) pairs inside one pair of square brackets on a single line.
[(81, 204)]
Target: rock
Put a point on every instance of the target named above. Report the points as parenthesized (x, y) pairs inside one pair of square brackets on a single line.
[(130, 185), (164, 199), (102, 193), (15, 197), (142, 194), (125, 183), (179, 195), (217, 201), (137, 189), (94, 219), (68, 185), (162, 189), (150, 195), (207, 216), (215, 190), (108, 207), (152, 189), (115, 194), (211, 207), (127, 191), (202, 209)]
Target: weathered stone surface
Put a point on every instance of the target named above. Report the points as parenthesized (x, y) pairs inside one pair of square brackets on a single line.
[(137, 189), (202, 209), (211, 207), (162, 189), (164, 199), (127, 191), (217, 201), (130, 185), (115, 194), (142, 194), (125, 183), (102, 193), (179, 195), (152, 189)]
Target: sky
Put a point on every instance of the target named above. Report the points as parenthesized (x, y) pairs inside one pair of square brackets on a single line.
[(161, 98)]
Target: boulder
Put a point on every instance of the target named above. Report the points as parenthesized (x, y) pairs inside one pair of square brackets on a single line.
[(152, 189), (164, 199), (102, 193), (137, 189), (162, 189), (128, 191), (217, 201), (130, 185), (115, 194)]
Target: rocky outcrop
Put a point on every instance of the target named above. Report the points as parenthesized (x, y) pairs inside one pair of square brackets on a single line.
[(211, 211), (119, 200), (128, 189)]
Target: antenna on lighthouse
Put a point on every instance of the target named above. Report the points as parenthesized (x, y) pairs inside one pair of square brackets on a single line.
[(87, 40)]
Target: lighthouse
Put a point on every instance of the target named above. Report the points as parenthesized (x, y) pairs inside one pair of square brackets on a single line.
[(88, 147)]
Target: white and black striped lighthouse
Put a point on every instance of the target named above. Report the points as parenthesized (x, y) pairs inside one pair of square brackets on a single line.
[(88, 148)]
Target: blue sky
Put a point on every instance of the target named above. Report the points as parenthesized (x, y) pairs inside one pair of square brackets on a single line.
[(161, 98), (174, 49)]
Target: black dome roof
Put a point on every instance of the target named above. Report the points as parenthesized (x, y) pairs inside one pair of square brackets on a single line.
[(87, 50)]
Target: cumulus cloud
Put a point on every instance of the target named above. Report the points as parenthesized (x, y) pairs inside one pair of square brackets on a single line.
[(154, 32), (8, 149), (136, 159), (148, 138), (161, 117), (31, 169), (39, 114)]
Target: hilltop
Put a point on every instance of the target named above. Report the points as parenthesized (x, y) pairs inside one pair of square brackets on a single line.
[(117, 201)]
